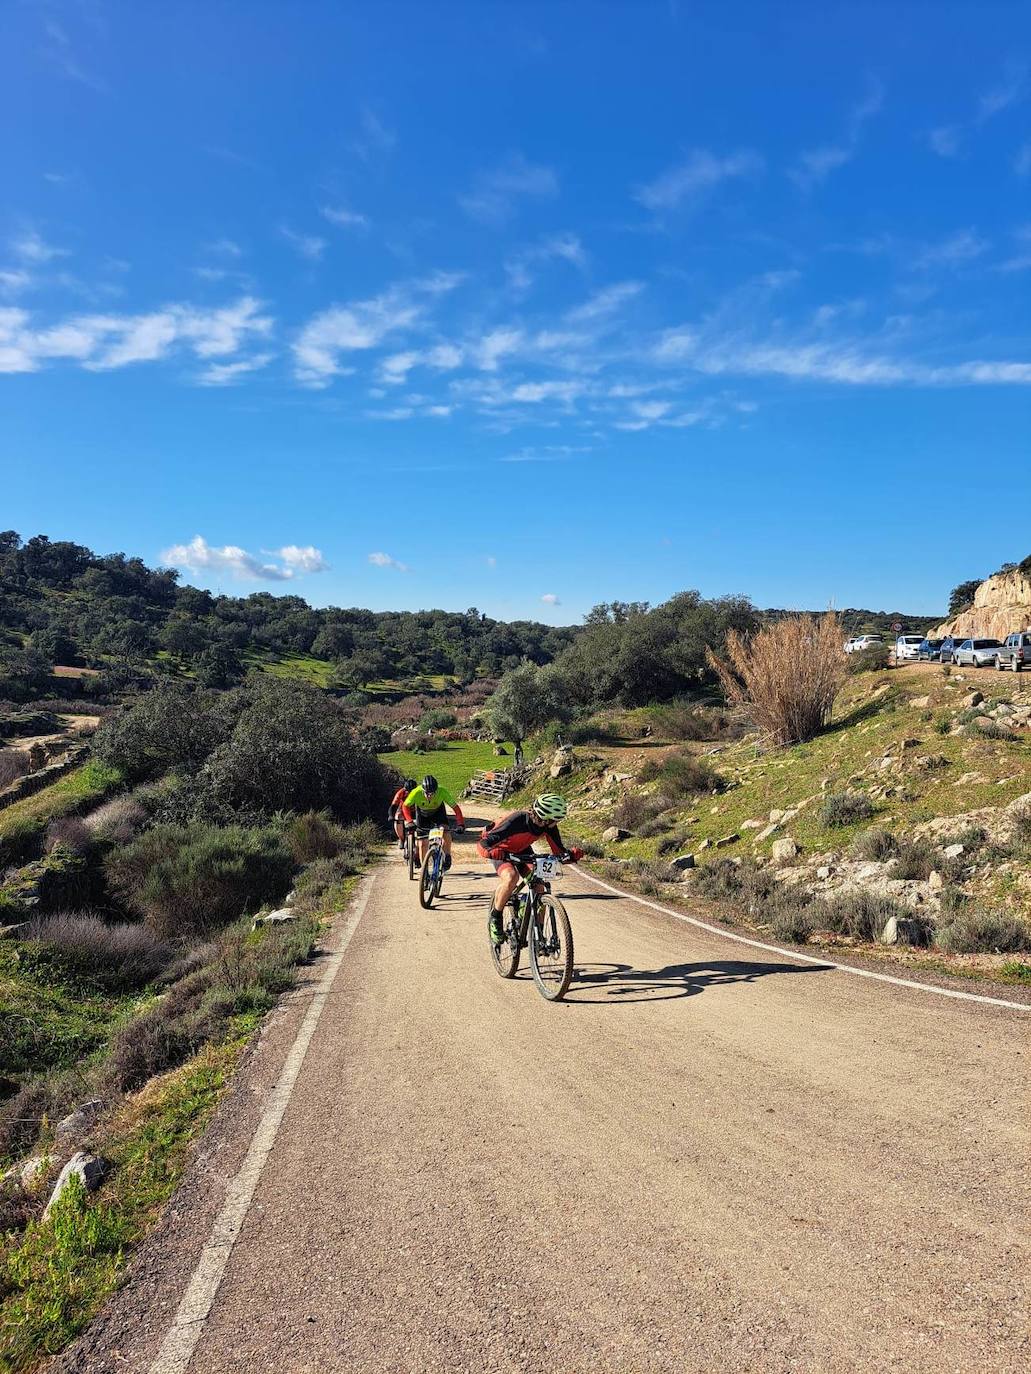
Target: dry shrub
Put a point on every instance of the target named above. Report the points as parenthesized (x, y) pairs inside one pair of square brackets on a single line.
[(634, 810), (83, 948), (845, 808), (682, 775), (69, 833), (315, 835), (787, 674), (985, 932), (860, 915), (680, 721), (117, 821), (876, 843), (14, 764)]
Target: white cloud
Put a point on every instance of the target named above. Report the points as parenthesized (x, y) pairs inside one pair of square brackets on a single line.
[(14, 279), (944, 140), (700, 172), (308, 246), (561, 247), (224, 374), (384, 560), (303, 559), (345, 219), (375, 140), (348, 328), (442, 357), (815, 164), (550, 599), (200, 556), (1010, 91), (496, 345), (224, 248), (530, 393), (604, 302), (959, 248), (103, 342), (29, 247), (495, 194)]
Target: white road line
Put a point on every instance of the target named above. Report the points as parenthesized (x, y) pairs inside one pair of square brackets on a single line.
[(181, 1341), (804, 958)]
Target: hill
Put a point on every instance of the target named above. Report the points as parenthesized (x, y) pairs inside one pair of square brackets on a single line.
[(1001, 605)]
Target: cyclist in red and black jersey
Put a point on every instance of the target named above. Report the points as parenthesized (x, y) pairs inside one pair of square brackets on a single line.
[(511, 839), (395, 816)]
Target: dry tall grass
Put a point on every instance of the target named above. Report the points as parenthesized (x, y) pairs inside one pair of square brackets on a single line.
[(786, 676)]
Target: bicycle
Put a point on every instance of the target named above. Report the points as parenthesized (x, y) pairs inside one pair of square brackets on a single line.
[(431, 875), (539, 922), (411, 850)]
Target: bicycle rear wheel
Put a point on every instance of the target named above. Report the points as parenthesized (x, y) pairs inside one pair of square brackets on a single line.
[(429, 878), (412, 852), (506, 955), (551, 949)]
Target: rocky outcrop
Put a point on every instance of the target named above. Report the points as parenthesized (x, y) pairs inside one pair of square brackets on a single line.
[(1002, 605)]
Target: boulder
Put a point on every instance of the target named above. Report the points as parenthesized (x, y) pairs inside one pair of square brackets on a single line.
[(920, 702), (614, 833), (751, 825), (724, 840), (274, 918), (971, 700), (79, 1122), (953, 851), (784, 850), (935, 881), (33, 1171), (682, 862), (705, 844), (88, 1169), (823, 872), (766, 833), (901, 930), (776, 816), (559, 770)]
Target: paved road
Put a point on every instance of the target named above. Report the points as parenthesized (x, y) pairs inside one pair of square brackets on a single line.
[(702, 1161)]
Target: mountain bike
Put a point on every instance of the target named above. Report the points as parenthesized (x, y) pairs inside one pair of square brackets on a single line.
[(431, 875), (411, 849), (537, 920)]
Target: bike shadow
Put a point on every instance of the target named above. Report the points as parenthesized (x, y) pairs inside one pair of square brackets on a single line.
[(622, 984)]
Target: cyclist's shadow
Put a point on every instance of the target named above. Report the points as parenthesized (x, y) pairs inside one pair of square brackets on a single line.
[(620, 984)]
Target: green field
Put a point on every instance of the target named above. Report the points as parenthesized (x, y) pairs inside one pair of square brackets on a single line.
[(453, 766)]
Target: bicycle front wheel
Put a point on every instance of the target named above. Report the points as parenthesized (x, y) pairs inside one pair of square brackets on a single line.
[(429, 879), (413, 851), (506, 955), (551, 948)]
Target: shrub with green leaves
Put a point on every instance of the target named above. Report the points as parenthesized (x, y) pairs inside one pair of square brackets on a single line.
[(845, 808), (875, 844), (437, 718), (682, 775), (858, 914), (869, 660), (186, 880)]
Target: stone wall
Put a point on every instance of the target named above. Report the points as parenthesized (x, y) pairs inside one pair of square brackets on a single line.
[(1002, 605), (35, 782)]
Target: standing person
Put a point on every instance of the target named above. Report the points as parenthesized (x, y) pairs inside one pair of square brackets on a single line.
[(425, 805), (519, 753), (509, 842), (394, 814)]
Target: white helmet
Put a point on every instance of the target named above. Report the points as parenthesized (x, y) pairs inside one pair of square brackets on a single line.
[(550, 806)]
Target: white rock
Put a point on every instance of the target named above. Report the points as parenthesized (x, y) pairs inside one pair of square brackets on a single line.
[(79, 1121), (87, 1168), (751, 825), (33, 1171), (274, 918), (776, 816), (823, 871), (784, 849), (953, 851), (614, 833)]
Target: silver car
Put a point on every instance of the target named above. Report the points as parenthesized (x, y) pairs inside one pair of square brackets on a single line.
[(976, 653)]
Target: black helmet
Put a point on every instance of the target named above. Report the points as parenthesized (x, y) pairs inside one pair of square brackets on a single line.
[(409, 784), (429, 784)]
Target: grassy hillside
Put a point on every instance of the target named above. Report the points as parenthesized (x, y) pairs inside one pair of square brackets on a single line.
[(453, 766)]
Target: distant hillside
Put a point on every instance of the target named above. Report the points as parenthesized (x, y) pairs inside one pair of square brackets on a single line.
[(1001, 604)]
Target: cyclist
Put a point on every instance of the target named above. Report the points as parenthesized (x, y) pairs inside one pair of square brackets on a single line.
[(425, 805), (394, 817), (510, 840)]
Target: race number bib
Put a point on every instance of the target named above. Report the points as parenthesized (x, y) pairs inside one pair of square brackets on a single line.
[(548, 869), (437, 833)]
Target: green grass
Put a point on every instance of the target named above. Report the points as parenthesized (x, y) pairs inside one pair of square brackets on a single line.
[(453, 766), (316, 671), (62, 1270), (23, 820)]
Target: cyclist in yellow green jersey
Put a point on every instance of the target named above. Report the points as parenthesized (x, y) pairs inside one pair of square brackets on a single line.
[(425, 805)]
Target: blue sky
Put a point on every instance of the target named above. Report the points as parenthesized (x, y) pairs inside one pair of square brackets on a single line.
[(525, 306)]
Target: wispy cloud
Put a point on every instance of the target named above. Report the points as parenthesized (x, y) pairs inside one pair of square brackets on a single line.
[(1021, 260), (604, 302), (308, 246), (384, 560), (521, 266), (1010, 90), (699, 173), (30, 247), (394, 369), (550, 599), (547, 453), (344, 219), (224, 374), (375, 140), (14, 279), (495, 194), (349, 328), (59, 49), (954, 251), (495, 345), (200, 556), (815, 164), (945, 140), (104, 342)]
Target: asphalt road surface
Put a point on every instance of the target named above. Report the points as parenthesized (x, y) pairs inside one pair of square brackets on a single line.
[(707, 1158)]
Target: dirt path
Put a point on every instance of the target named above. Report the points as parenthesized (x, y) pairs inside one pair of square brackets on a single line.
[(702, 1161)]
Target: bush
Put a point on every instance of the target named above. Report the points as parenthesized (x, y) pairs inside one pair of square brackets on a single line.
[(635, 810), (84, 949), (917, 859), (943, 724), (682, 721), (423, 744), (682, 775), (117, 821), (315, 835), (168, 728), (188, 880), (374, 739), (14, 764), (786, 675), (993, 729), (983, 933), (869, 660), (790, 920), (439, 718), (159, 1040), (845, 808), (860, 915), (68, 833), (876, 844), (675, 843)]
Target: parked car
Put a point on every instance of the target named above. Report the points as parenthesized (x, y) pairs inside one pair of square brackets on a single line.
[(928, 650), (977, 653), (949, 645), (907, 646), (1014, 652), (858, 643)]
